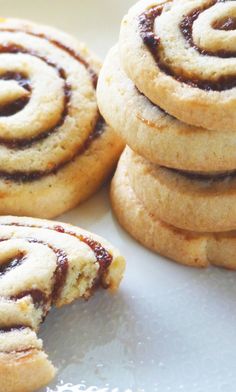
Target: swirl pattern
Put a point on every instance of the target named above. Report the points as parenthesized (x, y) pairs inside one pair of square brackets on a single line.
[(49, 119), (157, 136), (185, 55), (189, 201), (36, 272), (196, 249)]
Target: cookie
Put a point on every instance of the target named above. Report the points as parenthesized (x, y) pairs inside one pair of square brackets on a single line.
[(185, 247), (23, 364), (191, 201), (154, 134), (55, 148), (44, 263), (181, 55)]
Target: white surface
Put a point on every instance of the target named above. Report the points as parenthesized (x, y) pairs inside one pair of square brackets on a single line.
[(170, 328)]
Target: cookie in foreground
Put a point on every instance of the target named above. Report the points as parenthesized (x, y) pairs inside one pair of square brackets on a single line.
[(44, 263), (55, 148), (186, 247)]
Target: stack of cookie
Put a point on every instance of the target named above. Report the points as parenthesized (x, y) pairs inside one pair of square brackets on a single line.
[(169, 91)]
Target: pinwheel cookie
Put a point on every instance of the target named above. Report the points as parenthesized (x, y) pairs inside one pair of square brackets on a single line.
[(181, 55), (188, 200), (55, 148), (184, 246), (44, 263), (153, 133)]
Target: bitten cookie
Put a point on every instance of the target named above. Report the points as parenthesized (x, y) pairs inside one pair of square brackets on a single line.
[(44, 263), (55, 148), (191, 201), (154, 134), (186, 247), (181, 55)]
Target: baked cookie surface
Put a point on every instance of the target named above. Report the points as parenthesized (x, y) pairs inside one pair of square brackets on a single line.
[(181, 55), (44, 263), (55, 148), (154, 134), (188, 200), (186, 247)]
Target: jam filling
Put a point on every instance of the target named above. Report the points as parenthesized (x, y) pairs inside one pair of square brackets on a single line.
[(104, 258), (23, 177), (146, 29), (226, 24), (61, 46), (15, 328), (228, 175), (14, 107), (12, 328), (11, 109), (73, 54), (14, 262), (38, 297), (186, 27), (40, 300), (60, 274), (146, 24), (21, 79), (19, 104)]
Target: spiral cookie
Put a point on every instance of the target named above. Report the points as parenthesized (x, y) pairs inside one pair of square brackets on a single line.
[(44, 263), (181, 55), (154, 134), (55, 148), (191, 201), (186, 247)]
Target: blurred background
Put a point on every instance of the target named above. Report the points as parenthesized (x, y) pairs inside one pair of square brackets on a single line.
[(99, 31)]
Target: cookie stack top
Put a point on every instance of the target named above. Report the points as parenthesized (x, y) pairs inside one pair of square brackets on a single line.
[(174, 77)]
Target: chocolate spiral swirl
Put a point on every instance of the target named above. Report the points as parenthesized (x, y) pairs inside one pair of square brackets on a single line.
[(191, 28), (30, 245), (44, 263), (55, 148), (190, 68), (48, 110)]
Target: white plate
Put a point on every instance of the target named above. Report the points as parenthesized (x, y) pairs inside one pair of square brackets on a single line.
[(169, 328)]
